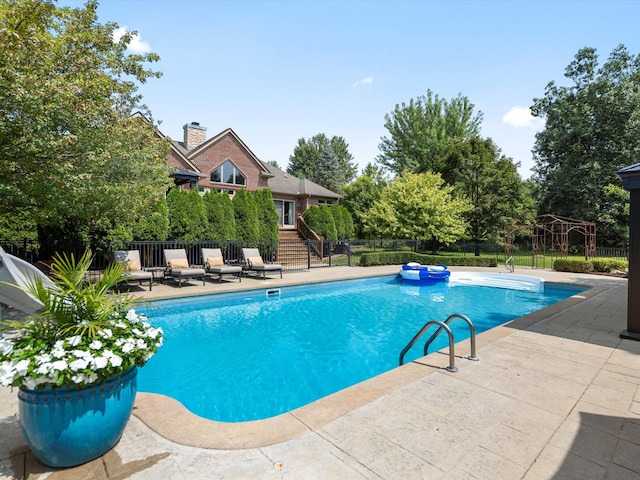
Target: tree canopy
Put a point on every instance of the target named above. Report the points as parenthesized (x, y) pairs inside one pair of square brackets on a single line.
[(421, 132), (592, 130), (69, 149), (324, 161), (419, 206), (490, 181), (360, 195)]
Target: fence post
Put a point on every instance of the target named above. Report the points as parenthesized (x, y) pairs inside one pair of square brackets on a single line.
[(308, 254), (348, 242)]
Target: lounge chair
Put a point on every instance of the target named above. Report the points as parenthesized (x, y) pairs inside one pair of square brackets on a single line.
[(133, 267), (178, 266), (214, 263), (254, 262)]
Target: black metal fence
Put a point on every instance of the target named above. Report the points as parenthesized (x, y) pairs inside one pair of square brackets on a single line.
[(291, 254)]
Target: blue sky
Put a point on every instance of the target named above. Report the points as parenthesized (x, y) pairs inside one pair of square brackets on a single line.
[(277, 71)]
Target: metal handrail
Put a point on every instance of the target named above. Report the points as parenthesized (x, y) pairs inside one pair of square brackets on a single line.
[(509, 264), (472, 335), (443, 326)]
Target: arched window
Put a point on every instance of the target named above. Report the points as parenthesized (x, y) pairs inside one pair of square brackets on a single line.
[(228, 173)]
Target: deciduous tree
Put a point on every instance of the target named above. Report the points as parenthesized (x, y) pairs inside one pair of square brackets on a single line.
[(421, 132), (592, 129), (69, 150), (419, 206), (490, 181), (360, 195)]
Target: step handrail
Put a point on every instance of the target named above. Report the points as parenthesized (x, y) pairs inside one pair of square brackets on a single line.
[(443, 326), (472, 335)]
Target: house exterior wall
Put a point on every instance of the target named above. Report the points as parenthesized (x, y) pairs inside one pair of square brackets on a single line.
[(176, 161)]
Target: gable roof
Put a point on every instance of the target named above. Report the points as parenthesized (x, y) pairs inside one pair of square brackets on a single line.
[(229, 132), (283, 182)]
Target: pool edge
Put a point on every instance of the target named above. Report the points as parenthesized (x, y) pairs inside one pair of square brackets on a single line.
[(171, 420)]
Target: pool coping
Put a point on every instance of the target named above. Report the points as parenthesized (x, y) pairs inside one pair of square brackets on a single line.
[(170, 419)]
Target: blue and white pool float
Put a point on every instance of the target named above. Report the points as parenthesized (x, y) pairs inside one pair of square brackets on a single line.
[(418, 274)]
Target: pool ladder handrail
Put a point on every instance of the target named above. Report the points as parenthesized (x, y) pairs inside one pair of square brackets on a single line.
[(510, 264), (445, 326)]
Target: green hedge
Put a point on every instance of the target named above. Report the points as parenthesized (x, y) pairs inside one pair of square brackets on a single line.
[(398, 258), (588, 266)]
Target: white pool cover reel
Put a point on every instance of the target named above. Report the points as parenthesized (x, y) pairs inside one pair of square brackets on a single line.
[(15, 275)]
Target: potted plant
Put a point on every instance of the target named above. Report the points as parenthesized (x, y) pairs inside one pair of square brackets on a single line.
[(75, 363)]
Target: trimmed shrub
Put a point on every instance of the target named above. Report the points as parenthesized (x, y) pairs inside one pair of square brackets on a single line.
[(320, 220), (399, 258), (267, 215), (343, 221), (187, 215), (220, 214), (154, 225), (607, 265), (245, 212), (573, 266)]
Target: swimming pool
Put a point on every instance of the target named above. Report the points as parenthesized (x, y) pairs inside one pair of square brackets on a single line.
[(253, 355)]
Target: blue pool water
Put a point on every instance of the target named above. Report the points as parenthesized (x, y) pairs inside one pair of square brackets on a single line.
[(248, 355)]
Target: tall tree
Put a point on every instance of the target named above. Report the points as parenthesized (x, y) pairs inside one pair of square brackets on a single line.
[(331, 173), (592, 129), (69, 151), (419, 206), (490, 181), (422, 131), (305, 161), (360, 195)]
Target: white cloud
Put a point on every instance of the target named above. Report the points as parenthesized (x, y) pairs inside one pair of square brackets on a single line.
[(521, 117), (136, 45), (363, 81)]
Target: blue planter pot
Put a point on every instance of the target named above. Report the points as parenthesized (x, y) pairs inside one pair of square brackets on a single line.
[(70, 427)]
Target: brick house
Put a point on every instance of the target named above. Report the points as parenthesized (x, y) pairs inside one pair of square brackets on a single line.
[(224, 163)]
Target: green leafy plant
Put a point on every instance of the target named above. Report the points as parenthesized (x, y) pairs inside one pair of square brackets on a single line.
[(84, 335)]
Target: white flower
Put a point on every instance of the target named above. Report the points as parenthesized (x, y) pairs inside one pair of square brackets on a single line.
[(59, 365), (58, 352), (132, 316), (154, 332), (137, 332), (106, 333), (141, 344), (45, 369), (74, 341), (6, 346), (121, 324), (44, 358), (7, 374), (91, 377), (82, 354), (22, 366), (115, 360), (79, 364), (128, 346), (100, 362), (95, 345)]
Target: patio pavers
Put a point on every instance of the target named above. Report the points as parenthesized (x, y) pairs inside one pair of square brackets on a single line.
[(554, 395)]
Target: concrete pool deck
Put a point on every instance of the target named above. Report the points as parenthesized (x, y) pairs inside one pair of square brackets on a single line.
[(554, 395)]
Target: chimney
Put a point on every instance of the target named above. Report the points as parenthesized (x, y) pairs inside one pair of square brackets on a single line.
[(194, 135)]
